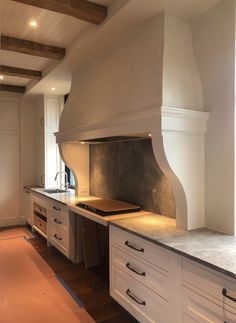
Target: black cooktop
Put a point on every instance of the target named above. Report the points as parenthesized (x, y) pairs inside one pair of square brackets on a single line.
[(106, 207)]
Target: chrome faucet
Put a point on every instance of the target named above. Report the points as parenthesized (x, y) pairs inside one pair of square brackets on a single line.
[(66, 185)]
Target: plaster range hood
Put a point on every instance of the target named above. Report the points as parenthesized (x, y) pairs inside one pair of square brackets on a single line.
[(150, 85)]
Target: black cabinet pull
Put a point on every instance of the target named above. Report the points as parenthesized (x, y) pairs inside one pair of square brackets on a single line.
[(132, 247), (134, 298), (134, 270), (57, 208), (57, 237), (57, 221), (224, 293)]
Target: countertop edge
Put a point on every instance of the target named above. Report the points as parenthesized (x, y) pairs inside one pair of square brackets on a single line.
[(186, 255), (32, 189)]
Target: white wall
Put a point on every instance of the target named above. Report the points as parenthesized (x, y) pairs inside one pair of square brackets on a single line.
[(27, 148), (214, 40), (28, 158), (9, 160)]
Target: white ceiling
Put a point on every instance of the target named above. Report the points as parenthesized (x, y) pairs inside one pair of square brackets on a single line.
[(12, 80), (181, 8), (84, 41), (23, 61), (53, 29), (124, 16)]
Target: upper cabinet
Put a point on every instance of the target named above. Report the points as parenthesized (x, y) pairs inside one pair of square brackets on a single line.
[(48, 161)]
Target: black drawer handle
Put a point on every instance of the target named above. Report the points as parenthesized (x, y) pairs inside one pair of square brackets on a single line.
[(57, 221), (57, 237), (134, 270), (57, 208), (132, 247), (224, 292), (134, 298)]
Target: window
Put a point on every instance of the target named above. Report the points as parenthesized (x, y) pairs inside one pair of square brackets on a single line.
[(71, 179)]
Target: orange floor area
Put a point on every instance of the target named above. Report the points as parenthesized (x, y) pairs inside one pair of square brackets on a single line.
[(29, 290), (15, 233)]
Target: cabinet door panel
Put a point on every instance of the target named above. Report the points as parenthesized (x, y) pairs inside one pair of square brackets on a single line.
[(9, 183), (40, 158), (28, 209), (140, 301), (203, 310)]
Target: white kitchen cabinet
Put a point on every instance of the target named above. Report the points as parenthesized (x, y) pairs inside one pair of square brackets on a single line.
[(202, 294), (28, 207), (156, 285), (142, 302), (203, 310), (9, 179), (53, 106), (143, 278), (61, 229), (40, 158), (48, 161)]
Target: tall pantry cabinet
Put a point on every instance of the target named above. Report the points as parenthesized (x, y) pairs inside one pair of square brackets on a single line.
[(48, 161)]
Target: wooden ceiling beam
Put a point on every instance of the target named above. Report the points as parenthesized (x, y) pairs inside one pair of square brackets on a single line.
[(20, 72), (31, 48), (12, 88), (81, 9)]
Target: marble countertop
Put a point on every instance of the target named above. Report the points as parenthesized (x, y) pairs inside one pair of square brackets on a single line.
[(65, 198), (68, 198), (213, 249)]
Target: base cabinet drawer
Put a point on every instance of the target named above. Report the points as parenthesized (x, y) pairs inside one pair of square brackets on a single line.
[(215, 286), (41, 224), (142, 303), (60, 240), (58, 223), (202, 310), (149, 276), (140, 248)]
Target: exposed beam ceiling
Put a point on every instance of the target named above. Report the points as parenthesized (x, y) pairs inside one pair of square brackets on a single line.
[(12, 88), (81, 9), (31, 48), (20, 72)]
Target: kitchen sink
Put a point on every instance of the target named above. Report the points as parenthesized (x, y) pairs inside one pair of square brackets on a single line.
[(54, 190)]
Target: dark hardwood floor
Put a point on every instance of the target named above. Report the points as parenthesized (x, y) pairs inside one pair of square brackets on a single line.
[(89, 285)]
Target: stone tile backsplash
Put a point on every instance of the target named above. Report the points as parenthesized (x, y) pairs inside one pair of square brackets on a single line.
[(128, 171)]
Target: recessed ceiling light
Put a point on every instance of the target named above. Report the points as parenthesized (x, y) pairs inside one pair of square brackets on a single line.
[(82, 142), (33, 23), (149, 134), (1, 77), (53, 88)]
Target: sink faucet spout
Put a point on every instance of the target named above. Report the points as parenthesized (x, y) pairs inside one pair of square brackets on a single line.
[(66, 184)]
